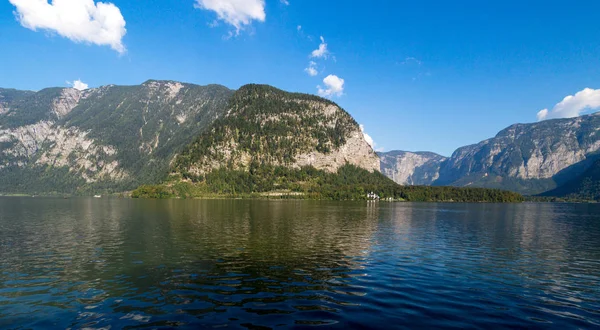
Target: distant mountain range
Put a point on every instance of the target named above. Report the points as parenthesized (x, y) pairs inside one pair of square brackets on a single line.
[(116, 138), (411, 168), (527, 158)]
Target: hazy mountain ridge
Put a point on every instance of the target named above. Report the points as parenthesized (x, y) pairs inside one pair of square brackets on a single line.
[(411, 168), (527, 158)]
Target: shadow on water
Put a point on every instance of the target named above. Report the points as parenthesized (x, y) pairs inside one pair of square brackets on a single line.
[(94, 263)]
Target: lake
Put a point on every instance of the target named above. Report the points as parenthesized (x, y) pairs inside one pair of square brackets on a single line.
[(121, 263)]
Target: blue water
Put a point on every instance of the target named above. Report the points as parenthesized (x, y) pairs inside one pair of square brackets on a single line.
[(119, 263)]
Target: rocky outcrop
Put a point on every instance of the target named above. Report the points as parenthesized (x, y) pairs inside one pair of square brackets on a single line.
[(411, 168), (356, 151), (66, 102)]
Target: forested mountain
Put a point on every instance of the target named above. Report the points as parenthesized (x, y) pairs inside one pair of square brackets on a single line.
[(527, 158), (115, 138), (111, 138), (267, 126)]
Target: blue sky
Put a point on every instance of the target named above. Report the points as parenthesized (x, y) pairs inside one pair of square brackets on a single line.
[(420, 76)]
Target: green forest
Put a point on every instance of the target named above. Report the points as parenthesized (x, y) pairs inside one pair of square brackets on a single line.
[(349, 183)]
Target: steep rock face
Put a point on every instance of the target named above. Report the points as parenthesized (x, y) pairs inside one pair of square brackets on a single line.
[(265, 125), (46, 144), (355, 151), (109, 138), (529, 158), (67, 101), (148, 123), (411, 168)]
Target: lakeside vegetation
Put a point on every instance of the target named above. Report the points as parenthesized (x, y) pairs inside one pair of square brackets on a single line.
[(554, 199), (349, 183)]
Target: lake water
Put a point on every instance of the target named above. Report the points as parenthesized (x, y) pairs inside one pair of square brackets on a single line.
[(100, 263)]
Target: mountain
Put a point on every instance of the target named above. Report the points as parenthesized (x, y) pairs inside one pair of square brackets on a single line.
[(526, 158), (411, 168), (583, 187), (109, 138), (175, 139), (267, 126), (116, 138), (276, 144)]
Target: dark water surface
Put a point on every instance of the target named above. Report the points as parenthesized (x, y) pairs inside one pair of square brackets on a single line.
[(119, 263)]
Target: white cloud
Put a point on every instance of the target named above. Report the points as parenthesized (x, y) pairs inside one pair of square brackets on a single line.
[(370, 140), (312, 69), (322, 51), (238, 13), (78, 20), (542, 115), (299, 28), (78, 84), (285, 2), (334, 86), (573, 105)]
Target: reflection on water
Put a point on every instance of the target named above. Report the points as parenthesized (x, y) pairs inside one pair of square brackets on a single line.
[(95, 263)]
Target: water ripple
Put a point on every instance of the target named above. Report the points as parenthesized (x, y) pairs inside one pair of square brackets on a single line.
[(99, 264)]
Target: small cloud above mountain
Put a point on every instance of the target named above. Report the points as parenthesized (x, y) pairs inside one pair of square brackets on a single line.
[(370, 140), (334, 86), (78, 84), (573, 105)]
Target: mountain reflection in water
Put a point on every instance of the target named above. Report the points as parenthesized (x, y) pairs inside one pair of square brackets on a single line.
[(94, 263)]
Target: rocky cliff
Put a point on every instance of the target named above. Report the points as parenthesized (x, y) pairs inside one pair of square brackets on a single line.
[(267, 126), (112, 137), (411, 168), (527, 158)]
